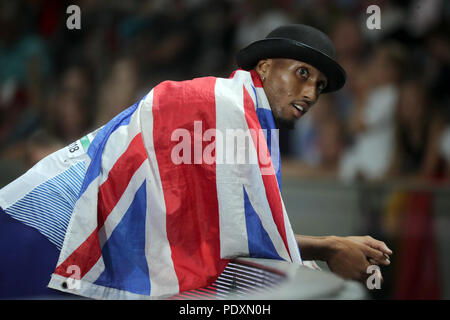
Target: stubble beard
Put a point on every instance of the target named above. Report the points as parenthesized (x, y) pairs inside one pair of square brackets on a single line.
[(282, 123)]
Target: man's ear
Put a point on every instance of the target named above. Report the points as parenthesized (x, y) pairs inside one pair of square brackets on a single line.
[(263, 68)]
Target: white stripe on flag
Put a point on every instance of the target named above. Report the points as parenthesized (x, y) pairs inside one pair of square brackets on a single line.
[(91, 290), (231, 177), (262, 99), (292, 243), (233, 230), (81, 225), (245, 77), (163, 279), (118, 143)]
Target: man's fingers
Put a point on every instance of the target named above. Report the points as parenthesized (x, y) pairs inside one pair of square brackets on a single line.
[(376, 256), (384, 262), (377, 244)]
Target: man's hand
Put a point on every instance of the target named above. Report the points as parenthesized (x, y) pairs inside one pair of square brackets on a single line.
[(380, 246), (348, 257)]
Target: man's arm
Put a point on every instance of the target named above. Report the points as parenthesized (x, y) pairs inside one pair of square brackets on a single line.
[(348, 257)]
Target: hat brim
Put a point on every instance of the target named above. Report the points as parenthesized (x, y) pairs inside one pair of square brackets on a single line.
[(267, 48)]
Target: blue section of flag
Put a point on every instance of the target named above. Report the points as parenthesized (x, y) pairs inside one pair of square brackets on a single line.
[(95, 149), (259, 243), (25, 253), (267, 122), (49, 206), (124, 252)]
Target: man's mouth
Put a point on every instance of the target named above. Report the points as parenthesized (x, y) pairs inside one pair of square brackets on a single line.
[(298, 107), (301, 107)]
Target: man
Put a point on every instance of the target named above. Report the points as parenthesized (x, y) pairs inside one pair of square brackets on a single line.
[(156, 202), (296, 65)]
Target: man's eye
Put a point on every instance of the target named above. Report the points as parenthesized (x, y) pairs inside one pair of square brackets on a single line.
[(320, 86), (303, 72)]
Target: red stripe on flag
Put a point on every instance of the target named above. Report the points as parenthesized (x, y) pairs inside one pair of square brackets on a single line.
[(84, 257), (119, 177), (256, 79), (190, 191), (269, 180), (233, 73), (88, 253)]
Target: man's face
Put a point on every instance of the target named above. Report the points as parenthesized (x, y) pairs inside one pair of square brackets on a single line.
[(291, 86)]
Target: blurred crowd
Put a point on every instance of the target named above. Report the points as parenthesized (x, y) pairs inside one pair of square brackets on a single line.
[(391, 120)]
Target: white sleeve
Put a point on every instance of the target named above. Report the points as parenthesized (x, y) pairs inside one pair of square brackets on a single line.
[(380, 107)]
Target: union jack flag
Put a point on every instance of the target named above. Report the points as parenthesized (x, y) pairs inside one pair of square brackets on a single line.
[(132, 223)]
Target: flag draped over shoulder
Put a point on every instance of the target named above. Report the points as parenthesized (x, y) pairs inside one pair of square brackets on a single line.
[(156, 201)]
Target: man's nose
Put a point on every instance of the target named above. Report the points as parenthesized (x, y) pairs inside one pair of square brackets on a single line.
[(309, 93)]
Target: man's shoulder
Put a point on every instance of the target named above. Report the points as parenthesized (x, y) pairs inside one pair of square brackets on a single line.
[(200, 85), (206, 87)]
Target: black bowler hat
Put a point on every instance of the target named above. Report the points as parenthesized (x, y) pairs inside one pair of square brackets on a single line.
[(299, 42)]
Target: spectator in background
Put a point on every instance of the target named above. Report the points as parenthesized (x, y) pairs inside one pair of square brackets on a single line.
[(215, 23), (417, 134), (24, 67), (68, 112), (39, 145), (317, 142), (70, 121), (346, 34), (118, 92), (305, 136), (331, 143), (372, 120), (257, 19), (77, 80), (169, 39), (438, 67)]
